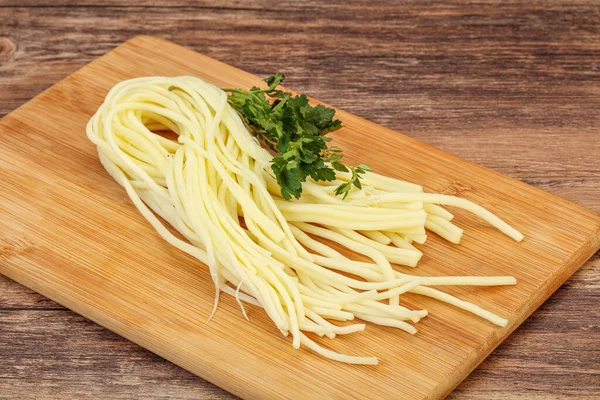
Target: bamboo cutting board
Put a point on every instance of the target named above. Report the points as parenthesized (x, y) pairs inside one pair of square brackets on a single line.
[(68, 231)]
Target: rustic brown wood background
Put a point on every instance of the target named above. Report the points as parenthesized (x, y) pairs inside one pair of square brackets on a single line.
[(514, 86)]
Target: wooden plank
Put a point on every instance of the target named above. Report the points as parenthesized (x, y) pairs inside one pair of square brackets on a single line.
[(169, 324)]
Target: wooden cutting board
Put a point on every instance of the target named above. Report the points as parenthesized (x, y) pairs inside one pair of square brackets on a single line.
[(68, 231)]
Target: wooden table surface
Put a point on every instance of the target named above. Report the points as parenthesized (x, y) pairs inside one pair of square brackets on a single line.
[(514, 86)]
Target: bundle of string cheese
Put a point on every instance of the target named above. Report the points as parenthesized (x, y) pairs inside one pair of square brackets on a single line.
[(214, 185)]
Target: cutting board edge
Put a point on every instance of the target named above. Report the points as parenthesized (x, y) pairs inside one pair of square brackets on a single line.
[(547, 289), (31, 102)]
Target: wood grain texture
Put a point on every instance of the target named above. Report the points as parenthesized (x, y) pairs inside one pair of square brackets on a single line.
[(473, 80), (70, 233)]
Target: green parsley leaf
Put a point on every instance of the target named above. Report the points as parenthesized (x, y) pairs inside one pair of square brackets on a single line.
[(297, 131)]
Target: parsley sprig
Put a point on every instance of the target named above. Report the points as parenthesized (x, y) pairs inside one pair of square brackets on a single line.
[(297, 132)]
